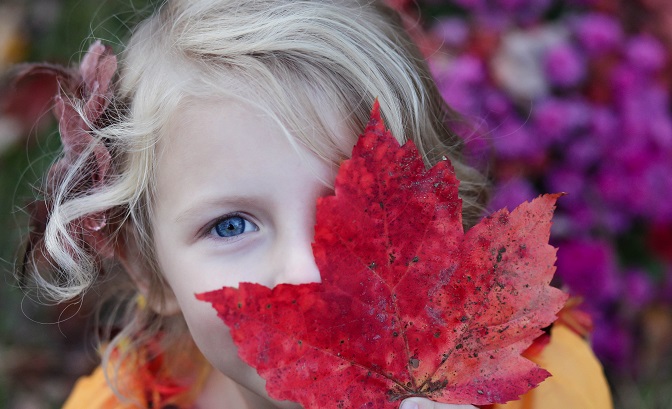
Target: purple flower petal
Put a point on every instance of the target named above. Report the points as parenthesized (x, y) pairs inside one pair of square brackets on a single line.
[(588, 267), (511, 193), (646, 53), (638, 288), (598, 33), (612, 344), (564, 65), (452, 31)]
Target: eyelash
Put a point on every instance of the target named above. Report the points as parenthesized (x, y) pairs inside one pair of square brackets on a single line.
[(210, 230)]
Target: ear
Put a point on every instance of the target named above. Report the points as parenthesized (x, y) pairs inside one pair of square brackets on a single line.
[(127, 250)]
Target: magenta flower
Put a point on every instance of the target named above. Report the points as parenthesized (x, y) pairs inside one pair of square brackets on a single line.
[(612, 343), (511, 193), (582, 218), (598, 33), (460, 82), (604, 126), (583, 153), (570, 180), (555, 119), (638, 288), (646, 53), (564, 65), (453, 31), (588, 267), (511, 139)]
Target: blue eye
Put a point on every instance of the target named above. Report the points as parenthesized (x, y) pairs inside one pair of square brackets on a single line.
[(233, 226)]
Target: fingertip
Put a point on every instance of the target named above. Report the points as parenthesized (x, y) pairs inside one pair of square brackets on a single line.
[(409, 404), (420, 403)]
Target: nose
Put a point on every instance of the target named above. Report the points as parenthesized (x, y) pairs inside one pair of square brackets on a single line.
[(293, 259)]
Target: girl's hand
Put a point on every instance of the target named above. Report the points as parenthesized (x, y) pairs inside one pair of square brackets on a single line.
[(420, 403)]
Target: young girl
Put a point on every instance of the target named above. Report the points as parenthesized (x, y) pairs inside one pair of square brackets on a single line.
[(197, 164)]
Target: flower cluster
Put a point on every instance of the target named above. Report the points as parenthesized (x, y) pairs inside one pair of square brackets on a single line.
[(563, 98)]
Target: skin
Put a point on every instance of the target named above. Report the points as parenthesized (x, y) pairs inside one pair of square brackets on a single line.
[(235, 202)]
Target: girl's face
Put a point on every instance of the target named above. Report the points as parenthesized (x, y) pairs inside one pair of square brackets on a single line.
[(235, 201)]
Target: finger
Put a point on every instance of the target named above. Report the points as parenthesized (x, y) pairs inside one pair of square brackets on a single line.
[(421, 403)]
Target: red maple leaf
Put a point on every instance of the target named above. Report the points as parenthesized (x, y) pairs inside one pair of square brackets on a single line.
[(409, 305)]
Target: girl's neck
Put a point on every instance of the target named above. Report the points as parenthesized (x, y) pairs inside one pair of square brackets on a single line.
[(220, 391)]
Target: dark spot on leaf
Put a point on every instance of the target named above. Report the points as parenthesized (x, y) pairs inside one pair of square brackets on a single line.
[(415, 363), (268, 305), (415, 259), (464, 318), (437, 334), (458, 346), (240, 305), (501, 251), (392, 258), (372, 265)]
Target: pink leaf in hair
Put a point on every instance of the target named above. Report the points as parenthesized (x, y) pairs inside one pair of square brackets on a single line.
[(97, 68), (83, 96)]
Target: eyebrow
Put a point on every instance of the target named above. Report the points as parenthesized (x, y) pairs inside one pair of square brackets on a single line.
[(202, 205)]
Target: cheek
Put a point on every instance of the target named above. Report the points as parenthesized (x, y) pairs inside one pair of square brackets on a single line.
[(209, 332), (213, 339)]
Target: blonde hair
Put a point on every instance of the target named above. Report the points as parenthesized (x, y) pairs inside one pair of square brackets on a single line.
[(290, 58)]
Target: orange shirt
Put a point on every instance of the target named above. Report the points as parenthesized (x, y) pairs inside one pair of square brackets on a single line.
[(577, 382)]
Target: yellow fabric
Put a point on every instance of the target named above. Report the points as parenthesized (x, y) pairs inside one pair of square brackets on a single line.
[(577, 382), (92, 392)]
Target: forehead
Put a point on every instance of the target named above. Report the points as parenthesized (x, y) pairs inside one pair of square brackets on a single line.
[(229, 145), (202, 133), (319, 128)]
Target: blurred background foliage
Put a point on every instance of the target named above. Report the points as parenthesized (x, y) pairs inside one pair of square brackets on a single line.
[(561, 95)]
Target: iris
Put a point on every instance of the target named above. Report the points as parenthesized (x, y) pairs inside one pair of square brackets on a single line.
[(232, 226)]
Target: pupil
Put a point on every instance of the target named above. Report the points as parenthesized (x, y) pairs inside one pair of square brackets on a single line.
[(231, 226)]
